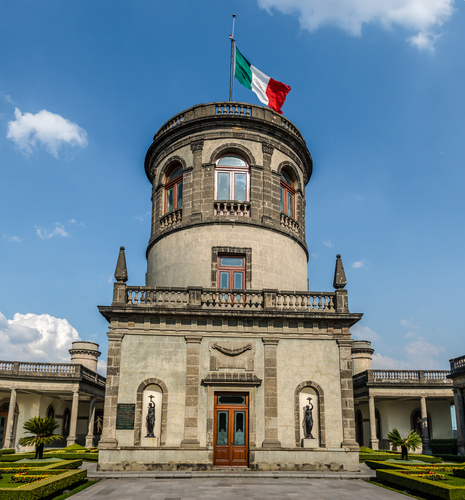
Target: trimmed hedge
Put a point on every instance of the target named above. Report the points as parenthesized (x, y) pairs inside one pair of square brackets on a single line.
[(88, 456), (29, 478), (43, 488), (380, 457), (7, 451), (433, 488), (452, 458), (375, 465), (61, 465), (459, 473), (443, 446), (16, 456)]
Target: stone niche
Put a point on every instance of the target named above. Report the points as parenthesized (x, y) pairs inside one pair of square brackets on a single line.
[(156, 392), (304, 394), (232, 356)]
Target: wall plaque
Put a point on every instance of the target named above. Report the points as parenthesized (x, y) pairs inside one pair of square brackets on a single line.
[(125, 416)]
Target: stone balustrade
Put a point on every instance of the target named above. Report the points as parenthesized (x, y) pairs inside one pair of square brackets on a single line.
[(213, 298), (171, 218), (396, 377), (49, 370), (228, 109), (457, 364), (234, 208), (289, 223)]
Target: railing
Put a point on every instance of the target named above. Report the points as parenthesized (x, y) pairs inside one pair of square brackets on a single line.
[(228, 208), (399, 376), (457, 364), (47, 368), (171, 218), (233, 109), (310, 301), (245, 299), (169, 297), (289, 223), (228, 109), (66, 370), (214, 298)]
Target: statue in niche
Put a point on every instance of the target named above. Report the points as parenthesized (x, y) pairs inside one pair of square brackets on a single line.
[(308, 419), (150, 418)]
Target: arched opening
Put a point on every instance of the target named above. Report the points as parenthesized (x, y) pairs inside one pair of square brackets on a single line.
[(173, 189), (4, 408), (151, 415), (308, 398), (232, 179), (98, 423), (417, 424), (287, 195), (378, 424), (66, 422), (50, 412), (359, 427)]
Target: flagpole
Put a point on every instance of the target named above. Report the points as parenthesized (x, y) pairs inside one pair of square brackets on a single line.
[(232, 60)]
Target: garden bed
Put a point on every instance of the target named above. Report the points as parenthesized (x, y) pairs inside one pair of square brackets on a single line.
[(440, 484)]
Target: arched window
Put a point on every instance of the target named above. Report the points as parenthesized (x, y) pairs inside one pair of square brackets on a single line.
[(51, 412), (287, 195), (359, 427), (378, 424), (232, 179), (66, 421), (417, 424), (173, 189)]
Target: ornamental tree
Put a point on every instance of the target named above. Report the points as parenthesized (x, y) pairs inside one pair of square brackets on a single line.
[(42, 430), (411, 442)]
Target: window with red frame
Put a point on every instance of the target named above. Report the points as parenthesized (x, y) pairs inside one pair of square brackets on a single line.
[(232, 179), (231, 272), (287, 195), (173, 189)]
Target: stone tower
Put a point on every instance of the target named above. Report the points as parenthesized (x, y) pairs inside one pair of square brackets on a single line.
[(224, 358)]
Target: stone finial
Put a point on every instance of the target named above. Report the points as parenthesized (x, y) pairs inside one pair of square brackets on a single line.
[(121, 272), (340, 280)]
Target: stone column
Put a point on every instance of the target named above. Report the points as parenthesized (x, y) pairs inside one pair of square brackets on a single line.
[(271, 393), (424, 426), (347, 395), (90, 430), (374, 442), (108, 439), (74, 416), (10, 441), (191, 416), (197, 148), (460, 418)]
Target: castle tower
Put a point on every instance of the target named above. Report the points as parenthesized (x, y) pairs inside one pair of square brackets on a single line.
[(224, 358)]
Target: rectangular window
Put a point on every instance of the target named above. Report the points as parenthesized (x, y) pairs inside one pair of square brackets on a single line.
[(290, 204), (231, 272), (223, 185), (169, 199), (179, 204), (240, 187)]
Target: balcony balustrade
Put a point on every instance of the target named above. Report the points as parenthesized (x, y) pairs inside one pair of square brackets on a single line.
[(232, 208), (171, 219), (396, 377)]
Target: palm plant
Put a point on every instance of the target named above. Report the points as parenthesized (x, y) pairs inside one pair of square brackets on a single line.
[(42, 430), (411, 442)]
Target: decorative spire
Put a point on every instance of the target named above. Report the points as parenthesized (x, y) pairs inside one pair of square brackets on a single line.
[(121, 272), (340, 280)]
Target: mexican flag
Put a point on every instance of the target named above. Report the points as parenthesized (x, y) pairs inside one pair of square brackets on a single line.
[(269, 91)]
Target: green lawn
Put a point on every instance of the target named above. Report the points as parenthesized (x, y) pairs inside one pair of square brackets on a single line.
[(6, 482)]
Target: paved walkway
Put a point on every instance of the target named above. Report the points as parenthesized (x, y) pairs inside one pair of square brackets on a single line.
[(234, 488)]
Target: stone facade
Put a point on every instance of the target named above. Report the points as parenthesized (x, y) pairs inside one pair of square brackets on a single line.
[(457, 374), (228, 369)]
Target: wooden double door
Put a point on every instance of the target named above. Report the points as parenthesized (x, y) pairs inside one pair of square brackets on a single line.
[(231, 430)]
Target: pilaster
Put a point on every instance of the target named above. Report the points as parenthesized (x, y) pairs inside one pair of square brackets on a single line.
[(9, 441), (460, 418), (74, 416), (271, 393), (374, 442), (424, 425), (90, 430), (191, 416)]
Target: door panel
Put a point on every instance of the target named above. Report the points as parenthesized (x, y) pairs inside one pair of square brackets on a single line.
[(231, 430)]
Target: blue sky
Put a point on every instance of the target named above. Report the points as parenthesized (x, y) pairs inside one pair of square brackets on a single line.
[(377, 92)]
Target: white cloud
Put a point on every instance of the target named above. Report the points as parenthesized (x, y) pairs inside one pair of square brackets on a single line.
[(409, 323), (74, 221), (32, 337), (328, 243), (6, 97), (419, 354), (102, 367), (46, 129), (364, 333), (59, 230), (11, 239), (359, 264), (420, 16)]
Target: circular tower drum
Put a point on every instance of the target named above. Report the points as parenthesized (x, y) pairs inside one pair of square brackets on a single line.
[(228, 200)]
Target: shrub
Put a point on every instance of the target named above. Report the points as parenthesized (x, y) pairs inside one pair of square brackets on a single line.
[(411, 442), (42, 433), (28, 478), (443, 446), (7, 451), (459, 473)]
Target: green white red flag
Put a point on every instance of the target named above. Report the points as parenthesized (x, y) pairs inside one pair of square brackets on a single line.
[(269, 91)]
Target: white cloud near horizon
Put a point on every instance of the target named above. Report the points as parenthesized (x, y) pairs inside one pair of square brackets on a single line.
[(44, 129), (364, 333), (59, 230), (36, 337), (360, 263), (422, 17)]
